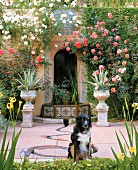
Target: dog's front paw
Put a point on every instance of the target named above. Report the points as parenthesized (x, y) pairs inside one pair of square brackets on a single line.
[(87, 159), (74, 163)]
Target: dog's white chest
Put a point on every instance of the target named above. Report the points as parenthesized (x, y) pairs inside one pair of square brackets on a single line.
[(84, 139)]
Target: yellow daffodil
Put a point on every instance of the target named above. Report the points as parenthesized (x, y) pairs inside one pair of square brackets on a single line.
[(1, 94), (120, 156), (9, 106), (12, 99), (135, 105), (132, 149)]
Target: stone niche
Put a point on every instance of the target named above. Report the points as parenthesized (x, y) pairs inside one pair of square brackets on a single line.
[(57, 44)]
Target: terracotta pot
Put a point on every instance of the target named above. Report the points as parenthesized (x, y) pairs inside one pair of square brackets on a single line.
[(28, 96)]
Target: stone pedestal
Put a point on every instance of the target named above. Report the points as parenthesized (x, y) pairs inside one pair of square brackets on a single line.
[(102, 107), (27, 116), (102, 117)]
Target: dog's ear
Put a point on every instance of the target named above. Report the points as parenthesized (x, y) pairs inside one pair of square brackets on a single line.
[(77, 119)]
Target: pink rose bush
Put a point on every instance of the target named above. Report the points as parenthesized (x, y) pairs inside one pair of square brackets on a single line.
[(102, 46)]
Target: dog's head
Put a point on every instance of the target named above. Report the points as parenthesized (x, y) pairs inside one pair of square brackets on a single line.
[(83, 122)]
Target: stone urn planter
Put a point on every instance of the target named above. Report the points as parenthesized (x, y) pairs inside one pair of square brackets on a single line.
[(27, 112), (28, 96), (102, 107)]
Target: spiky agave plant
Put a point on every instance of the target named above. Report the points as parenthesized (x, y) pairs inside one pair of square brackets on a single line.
[(29, 81)]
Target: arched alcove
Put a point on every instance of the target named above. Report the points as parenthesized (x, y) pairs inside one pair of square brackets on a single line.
[(65, 70)]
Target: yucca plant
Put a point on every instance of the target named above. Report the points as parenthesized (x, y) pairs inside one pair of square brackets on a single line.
[(29, 81), (100, 80)]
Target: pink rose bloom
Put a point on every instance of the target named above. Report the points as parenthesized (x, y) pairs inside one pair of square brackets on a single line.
[(68, 49), (85, 40), (106, 80), (124, 63), (37, 65), (113, 30), (99, 53), (113, 90), (115, 44), (95, 58), (75, 33), (93, 51), (114, 79), (125, 50), (125, 41), (119, 51), (1, 52), (84, 52), (110, 15), (101, 67), (120, 70), (127, 56), (98, 45), (70, 39), (104, 35), (117, 38), (11, 50), (105, 31), (78, 44), (95, 36), (96, 26), (66, 44)]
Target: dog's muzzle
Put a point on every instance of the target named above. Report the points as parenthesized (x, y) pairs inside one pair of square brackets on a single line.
[(85, 125)]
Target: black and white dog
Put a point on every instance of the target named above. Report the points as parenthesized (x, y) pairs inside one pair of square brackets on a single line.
[(80, 148)]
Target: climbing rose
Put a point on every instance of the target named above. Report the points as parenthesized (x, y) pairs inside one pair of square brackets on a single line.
[(66, 44), (95, 58), (119, 51), (125, 50), (1, 52), (127, 56), (37, 65), (115, 44), (93, 51), (117, 38), (11, 50), (84, 52), (78, 44), (68, 49), (120, 70), (114, 79), (113, 90), (40, 59), (98, 45), (75, 33), (110, 15), (124, 63)]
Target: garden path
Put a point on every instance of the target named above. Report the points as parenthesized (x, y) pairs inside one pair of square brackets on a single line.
[(48, 141)]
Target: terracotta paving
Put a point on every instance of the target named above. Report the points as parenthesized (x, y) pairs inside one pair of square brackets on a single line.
[(48, 141)]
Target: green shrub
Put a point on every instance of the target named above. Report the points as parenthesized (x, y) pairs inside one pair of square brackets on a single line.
[(94, 164)]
